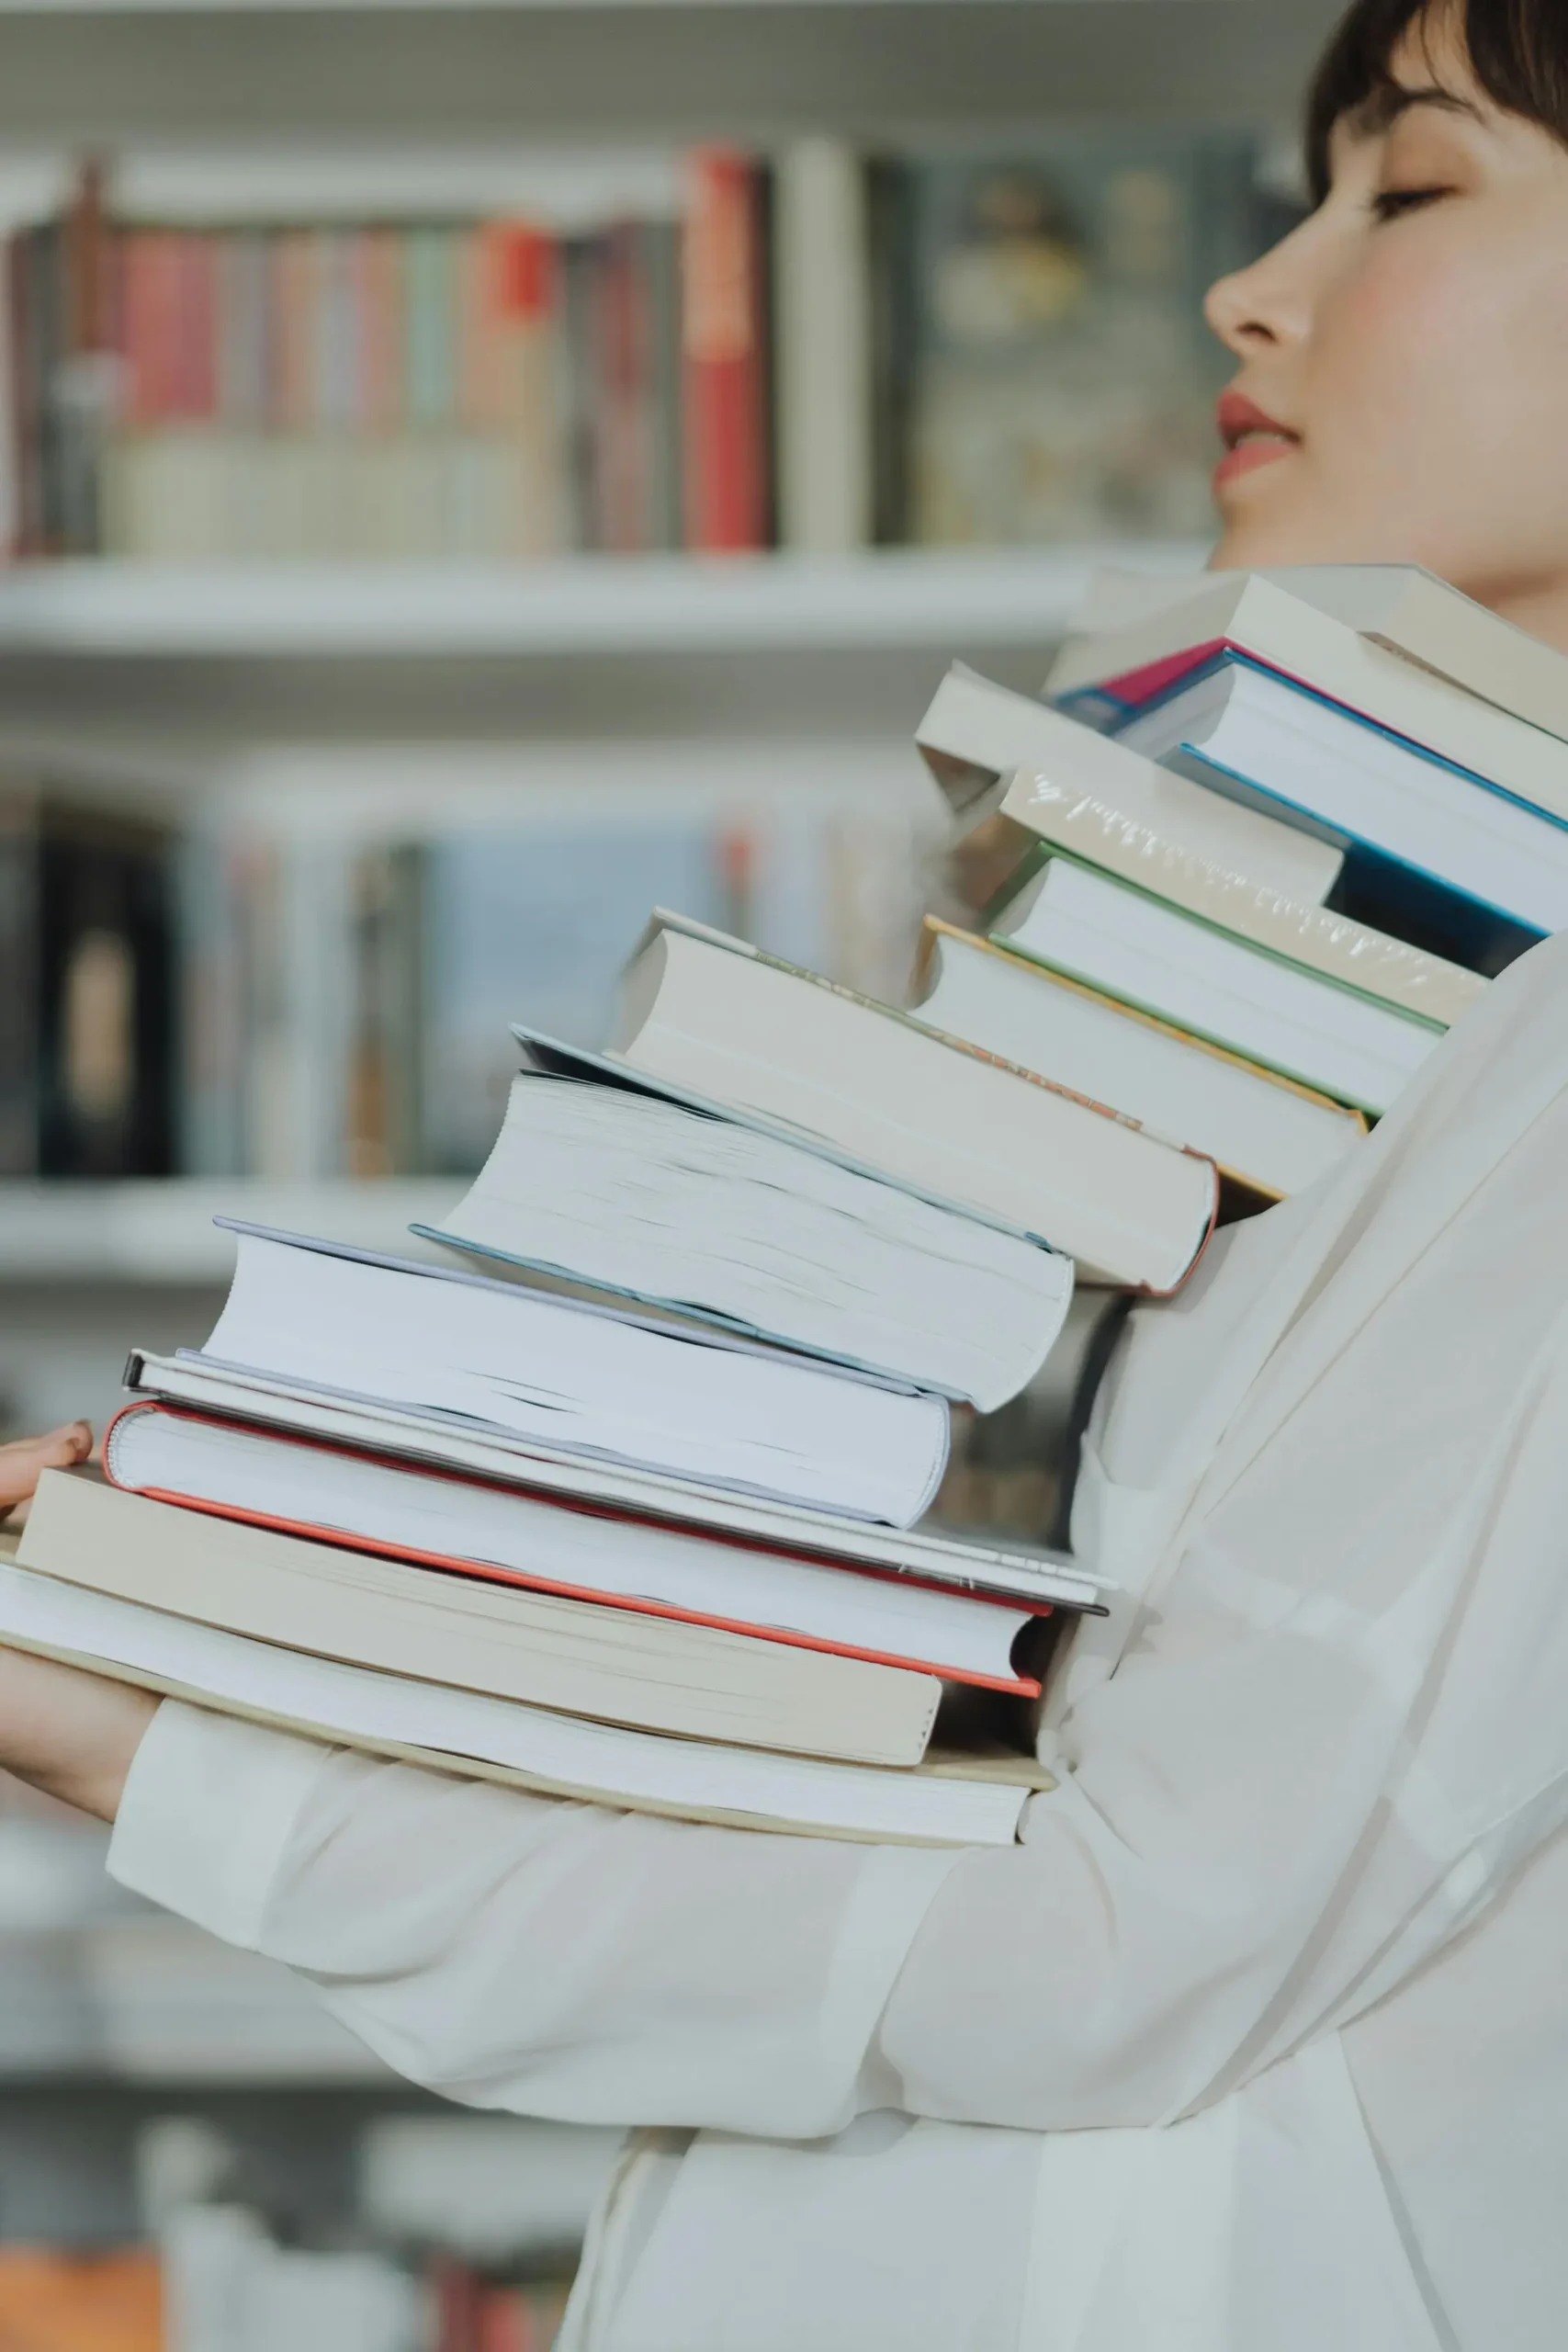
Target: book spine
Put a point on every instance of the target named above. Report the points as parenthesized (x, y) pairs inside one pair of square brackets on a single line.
[(659, 247), (244, 332), (582, 268), (338, 340), (25, 537), (891, 310), (380, 255), (20, 1014), (88, 387), (906, 1020), (724, 307), (822, 339), (187, 314), (45, 336), (293, 312), (525, 277), (623, 384), (431, 328)]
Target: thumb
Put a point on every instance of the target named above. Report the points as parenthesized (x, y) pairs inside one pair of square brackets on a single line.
[(22, 1462)]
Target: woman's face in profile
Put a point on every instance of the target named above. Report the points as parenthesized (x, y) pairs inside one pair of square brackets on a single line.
[(1409, 344)]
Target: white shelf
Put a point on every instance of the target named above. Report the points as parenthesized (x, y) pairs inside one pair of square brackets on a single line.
[(162, 1232), (593, 605)]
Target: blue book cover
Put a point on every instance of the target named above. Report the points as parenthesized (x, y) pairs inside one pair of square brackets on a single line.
[(1375, 887)]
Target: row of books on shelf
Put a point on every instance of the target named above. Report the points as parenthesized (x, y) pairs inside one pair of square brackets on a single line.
[(819, 349), (221, 2284), (622, 1495), (263, 995)]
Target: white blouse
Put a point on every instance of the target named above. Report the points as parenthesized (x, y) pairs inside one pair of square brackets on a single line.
[(1259, 2041)]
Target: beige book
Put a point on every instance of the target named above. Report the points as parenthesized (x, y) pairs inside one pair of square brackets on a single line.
[(654, 1673), (1266, 1133), (721, 1022), (1111, 830), (1399, 605), (971, 1801)]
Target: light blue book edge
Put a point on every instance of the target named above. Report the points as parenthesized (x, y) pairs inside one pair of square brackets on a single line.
[(1201, 767), (1098, 707)]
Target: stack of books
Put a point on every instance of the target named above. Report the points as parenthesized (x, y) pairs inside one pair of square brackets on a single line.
[(1265, 843), (618, 1497)]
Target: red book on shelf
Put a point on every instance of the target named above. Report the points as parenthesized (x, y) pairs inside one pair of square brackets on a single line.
[(522, 371), (623, 394), (125, 1467), (151, 325), (724, 313), (194, 369)]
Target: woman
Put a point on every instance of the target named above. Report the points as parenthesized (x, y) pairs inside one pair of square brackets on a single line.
[(1256, 2043)]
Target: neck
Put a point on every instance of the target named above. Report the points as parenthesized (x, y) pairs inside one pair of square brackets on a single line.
[(1539, 607)]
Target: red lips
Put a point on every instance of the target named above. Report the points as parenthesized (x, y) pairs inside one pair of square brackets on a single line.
[(1252, 437)]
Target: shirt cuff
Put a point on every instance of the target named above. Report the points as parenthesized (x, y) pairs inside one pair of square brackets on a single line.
[(209, 1808)]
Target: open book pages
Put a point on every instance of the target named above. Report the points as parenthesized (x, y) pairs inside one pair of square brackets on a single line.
[(621, 1188), (718, 1021), (580, 1377)]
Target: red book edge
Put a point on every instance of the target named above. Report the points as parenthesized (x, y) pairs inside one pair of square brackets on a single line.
[(1021, 1686)]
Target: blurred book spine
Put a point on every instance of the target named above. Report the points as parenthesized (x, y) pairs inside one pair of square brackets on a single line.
[(87, 949)]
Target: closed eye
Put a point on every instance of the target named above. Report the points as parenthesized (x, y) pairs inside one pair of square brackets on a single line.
[(1393, 203)]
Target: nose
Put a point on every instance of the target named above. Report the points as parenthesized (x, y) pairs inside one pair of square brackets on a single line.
[(1268, 304)]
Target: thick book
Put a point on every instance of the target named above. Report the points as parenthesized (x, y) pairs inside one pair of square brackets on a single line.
[(720, 1024), (583, 1377), (1264, 1132), (962, 1801), (1053, 806), (1132, 946), (530, 1466), (1117, 670), (1399, 605), (1422, 837), (655, 1673), (977, 736), (470, 1527), (617, 1188)]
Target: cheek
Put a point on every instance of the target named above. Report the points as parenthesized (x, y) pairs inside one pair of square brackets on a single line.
[(1437, 389)]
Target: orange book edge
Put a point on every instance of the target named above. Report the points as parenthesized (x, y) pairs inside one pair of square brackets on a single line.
[(1020, 1686)]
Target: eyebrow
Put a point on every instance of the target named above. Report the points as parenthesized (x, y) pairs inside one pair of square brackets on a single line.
[(1391, 101)]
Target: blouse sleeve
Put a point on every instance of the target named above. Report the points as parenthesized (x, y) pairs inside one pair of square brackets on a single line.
[(1342, 1737), (526, 1953)]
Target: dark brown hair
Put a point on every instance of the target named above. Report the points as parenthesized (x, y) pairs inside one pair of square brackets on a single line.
[(1519, 53)]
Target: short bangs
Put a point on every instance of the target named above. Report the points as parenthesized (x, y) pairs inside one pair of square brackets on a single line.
[(1519, 53)]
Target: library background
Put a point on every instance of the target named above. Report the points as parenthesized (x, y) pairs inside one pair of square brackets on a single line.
[(470, 472)]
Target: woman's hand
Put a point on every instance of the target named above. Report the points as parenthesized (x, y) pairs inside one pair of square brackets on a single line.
[(23, 1463), (69, 1733)]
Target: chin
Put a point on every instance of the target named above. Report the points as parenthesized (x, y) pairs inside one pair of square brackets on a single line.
[(1266, 525)]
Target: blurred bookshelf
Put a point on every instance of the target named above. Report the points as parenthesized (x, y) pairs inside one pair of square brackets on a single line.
[(312, 808)]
